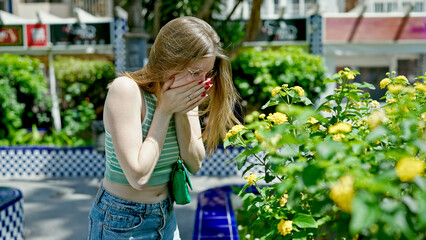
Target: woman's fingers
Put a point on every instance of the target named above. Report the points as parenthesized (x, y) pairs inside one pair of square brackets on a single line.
[(167, 84)]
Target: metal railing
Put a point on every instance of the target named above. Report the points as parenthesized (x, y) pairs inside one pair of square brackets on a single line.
[(100, 8)]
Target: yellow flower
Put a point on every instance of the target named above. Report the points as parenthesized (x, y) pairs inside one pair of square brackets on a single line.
[(391, 100), (407, 168), (342, 193), (423, 117), (299, 90), (275, 91), (395, 88), (251, 178), (283, 199), (350, 75), (312, 120), (339, 137), (262, 116), (340, 127), (258, 137), (285, 227), (228, 135), (234, 130), (401, 79), (284, 86), (420, 86), (277, 118), (384, 82), (374, 104), (376, 118)]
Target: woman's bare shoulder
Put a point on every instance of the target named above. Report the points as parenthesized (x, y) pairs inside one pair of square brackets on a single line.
[(124, 85)]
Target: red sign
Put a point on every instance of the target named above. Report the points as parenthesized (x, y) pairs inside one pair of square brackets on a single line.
[(11, 35), (37, 35), (375, 29)]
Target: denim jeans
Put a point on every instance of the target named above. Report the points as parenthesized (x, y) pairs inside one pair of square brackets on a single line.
[(114, 218)]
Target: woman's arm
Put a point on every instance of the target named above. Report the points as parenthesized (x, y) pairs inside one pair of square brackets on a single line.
[(123, 113), (188, 131)]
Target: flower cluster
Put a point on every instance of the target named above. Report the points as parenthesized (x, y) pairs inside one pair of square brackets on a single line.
[(377, 118), (252, 178), (340, 127), (234, 131), (299, 90), (283, 200), (342, 192), (275, 91), (285, 227), (408, 168), (420, 86), (277, 118)]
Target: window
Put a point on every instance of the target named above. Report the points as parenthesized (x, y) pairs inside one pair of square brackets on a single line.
[(418, 7), (378, 7), (373, 75), (408, 68), (3, 5)]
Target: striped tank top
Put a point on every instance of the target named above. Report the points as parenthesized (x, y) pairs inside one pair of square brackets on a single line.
[(168, 156)]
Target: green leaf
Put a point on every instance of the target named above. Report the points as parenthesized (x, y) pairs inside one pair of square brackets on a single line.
[(364, 214), (306, 100), (411, 204), (357, 149), (311, 174), (270, 103), (421, 182), (241, 159), (288, 150), (269, 177), (378, 133), (304, 221)]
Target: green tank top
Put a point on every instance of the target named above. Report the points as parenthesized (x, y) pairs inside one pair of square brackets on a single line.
[(168, 156)]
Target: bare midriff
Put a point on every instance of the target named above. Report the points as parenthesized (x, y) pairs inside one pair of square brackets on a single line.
[(150, 194)]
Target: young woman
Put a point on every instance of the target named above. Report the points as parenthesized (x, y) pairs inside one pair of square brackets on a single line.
[(151, 117)]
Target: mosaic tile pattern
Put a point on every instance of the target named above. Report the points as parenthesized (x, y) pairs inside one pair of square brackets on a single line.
[(11, 214), (315, 35), (120, 28), (51, 162), (24, 162)]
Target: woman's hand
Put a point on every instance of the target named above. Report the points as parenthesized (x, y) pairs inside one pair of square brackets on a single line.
[(184, 98)]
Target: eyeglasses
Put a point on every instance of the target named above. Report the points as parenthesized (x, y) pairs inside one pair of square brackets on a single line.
[(196, 74)]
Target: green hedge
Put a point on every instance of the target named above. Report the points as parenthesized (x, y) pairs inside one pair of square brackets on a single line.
[(23, 91), (26, 105), (257, 71), (83, 80)]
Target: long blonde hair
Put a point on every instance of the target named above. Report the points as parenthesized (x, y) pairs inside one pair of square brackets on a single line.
[(180, 43)]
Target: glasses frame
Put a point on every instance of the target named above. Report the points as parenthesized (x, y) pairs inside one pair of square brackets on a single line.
[(210, 74)]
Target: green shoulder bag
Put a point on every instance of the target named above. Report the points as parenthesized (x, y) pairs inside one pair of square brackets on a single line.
[(179, 184)]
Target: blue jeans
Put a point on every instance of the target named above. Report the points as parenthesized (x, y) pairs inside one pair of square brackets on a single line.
[(114, 218)]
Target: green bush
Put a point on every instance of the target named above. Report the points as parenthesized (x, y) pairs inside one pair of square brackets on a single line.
[(257, 72), (351, 168), (83, 80), (23, 90), (26, 106)]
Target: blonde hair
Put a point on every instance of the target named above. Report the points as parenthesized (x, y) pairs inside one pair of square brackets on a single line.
[(180, 43)]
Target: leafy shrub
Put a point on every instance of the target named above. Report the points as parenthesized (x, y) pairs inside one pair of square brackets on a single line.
[(83, 80), (23, 90), (26, 107), (350, 169), (256, 72)]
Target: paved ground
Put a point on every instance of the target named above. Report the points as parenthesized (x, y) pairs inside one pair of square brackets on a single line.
[(57, 209)]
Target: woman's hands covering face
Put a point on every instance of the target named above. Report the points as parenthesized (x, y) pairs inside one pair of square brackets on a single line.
[(183, 98)]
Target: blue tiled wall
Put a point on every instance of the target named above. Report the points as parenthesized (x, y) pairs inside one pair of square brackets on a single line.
[(11, 214), (85, 161)]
